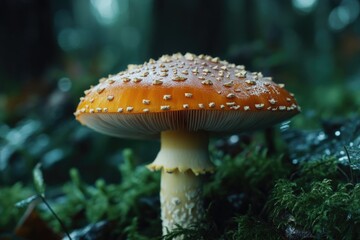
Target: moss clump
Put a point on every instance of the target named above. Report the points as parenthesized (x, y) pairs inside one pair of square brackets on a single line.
[(120, 203), (325, 208), (242, 183), (320, 198), (249, 227), (252, 170), (250, 196), (9, 196)]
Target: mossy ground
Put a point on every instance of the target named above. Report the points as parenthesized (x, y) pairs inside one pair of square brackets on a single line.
[(252, 195)]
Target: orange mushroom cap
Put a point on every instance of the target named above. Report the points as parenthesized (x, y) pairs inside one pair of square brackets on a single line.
[(187, 92)]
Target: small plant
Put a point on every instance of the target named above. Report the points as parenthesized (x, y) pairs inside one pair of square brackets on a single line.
[(320, 199), (39, 185), (250, 227), (119, 203), (10, 214)]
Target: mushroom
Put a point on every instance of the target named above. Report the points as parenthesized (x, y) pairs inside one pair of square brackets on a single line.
[(181, 99)]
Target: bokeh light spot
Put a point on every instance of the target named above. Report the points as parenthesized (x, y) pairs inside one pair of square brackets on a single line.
[(69, 39), (106, 11), (344, 14), (64, 84), (304, 6)]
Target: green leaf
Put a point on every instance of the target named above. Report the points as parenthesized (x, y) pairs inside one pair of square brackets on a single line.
[(39, 180), (27, 201), (97, 207)]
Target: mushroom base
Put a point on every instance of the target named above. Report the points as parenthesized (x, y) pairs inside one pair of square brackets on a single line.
[(181, 200)]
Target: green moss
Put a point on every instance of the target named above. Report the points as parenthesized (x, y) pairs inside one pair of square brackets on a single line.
[(317, 170), (9, 196), (112, 202), (252, 172), (325, 208), (132, 231), (249, 227), (198, 231), (316, 199)]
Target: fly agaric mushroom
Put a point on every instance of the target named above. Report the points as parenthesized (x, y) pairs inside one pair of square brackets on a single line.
[(183, 98)]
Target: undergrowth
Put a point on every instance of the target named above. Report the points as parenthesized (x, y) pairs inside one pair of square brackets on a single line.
[(9, 214), (321, 200), (250, 196), (126, 203)]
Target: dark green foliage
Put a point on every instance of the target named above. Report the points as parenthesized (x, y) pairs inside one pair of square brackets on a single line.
[(318, 170), (9, 196), (112, 202), (249, 169), (320, 198), (132, 231), (315, 200), (251, 172), (327, 209), (243, 228), (199, 231), (249, 227)]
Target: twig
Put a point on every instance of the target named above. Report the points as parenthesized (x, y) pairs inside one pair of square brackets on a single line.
[(351, 172), (56, 216)]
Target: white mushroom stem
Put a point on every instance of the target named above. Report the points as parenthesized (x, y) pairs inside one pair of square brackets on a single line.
[(182, 157), (181, 200)]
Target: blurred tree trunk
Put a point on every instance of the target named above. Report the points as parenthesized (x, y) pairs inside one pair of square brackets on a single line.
[(27, 43), (187, 26)]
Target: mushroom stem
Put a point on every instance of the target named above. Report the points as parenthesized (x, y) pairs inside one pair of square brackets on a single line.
[(182, 157), (181, 200), (182, 151)]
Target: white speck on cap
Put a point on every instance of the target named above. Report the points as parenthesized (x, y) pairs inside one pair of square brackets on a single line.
[(146, 101), (272, 101), (230, 104), (230, 95), (207, 82), (167, 97), (229, 84), (259, 105), (165, 107), (157, 82)]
